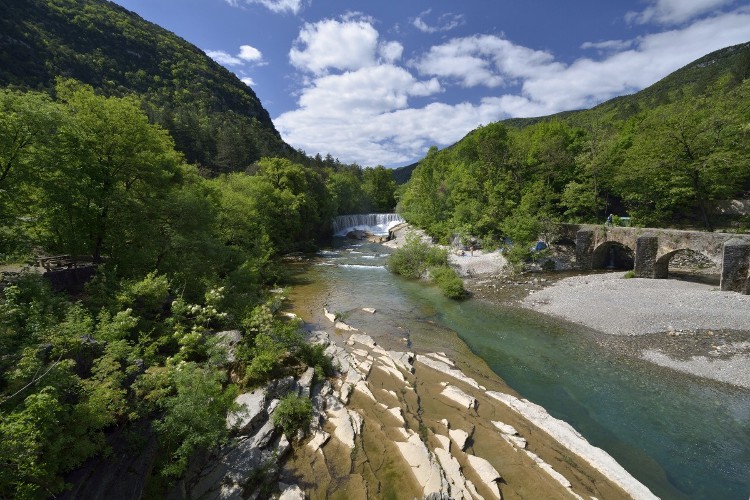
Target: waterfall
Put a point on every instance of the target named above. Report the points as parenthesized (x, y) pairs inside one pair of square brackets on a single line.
[(377, 224)]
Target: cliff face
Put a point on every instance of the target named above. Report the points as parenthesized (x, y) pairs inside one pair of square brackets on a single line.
[(216, 120)]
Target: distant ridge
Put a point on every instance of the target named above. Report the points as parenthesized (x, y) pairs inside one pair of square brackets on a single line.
[(216, 120)]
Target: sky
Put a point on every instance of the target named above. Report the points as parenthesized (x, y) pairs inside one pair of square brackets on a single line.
[(378, 82)]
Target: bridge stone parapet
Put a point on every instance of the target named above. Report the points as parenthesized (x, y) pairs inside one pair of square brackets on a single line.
[(648, 250)]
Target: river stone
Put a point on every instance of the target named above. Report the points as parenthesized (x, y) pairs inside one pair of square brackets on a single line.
[(264, 435), (347, 425), (549, 470), (445, 441), (330, 316), (363, 339), (426, 469), (453, 474), (403, 360), (448, 370), (340, 325), (460, 437), (464, 400), (486, 472), (320, 437), (252, 411), (292, 493), (305, 381), (368, 310)]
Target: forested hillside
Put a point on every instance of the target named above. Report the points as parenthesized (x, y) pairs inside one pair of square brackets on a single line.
[(127, 152), (216, 121), (664, 157)]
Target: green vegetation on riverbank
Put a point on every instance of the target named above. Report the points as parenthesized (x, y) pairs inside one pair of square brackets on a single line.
[(417, 259), (664, 156), (178, 258)]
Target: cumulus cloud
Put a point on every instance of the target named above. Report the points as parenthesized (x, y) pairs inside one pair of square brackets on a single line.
[(446, 22), (247, 54), (673, 12), (250, 54), (277, 6), (486, 60), (247, 81), (224, 58), (372, 110), (332, 44)]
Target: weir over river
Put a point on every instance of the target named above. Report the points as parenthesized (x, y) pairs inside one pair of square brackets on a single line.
[(377, 224), (681, 436)]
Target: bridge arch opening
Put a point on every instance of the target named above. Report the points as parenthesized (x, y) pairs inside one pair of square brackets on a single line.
[(613, 255), (688, 265)]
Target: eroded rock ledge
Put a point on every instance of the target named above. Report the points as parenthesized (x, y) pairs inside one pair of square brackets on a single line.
[(404, 425)]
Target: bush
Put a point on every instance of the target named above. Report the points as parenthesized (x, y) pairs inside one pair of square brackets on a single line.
[(449, 282), (415, 257), (314, 355), (292, 414), (629, 274)]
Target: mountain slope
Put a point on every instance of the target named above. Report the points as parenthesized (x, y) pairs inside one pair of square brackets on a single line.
[(216, 120)]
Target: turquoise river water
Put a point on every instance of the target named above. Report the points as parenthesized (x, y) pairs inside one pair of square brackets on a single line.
[(682, 436)]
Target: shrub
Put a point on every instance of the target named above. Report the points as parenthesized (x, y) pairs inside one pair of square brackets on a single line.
[(314, 355), (293, 413), (415, 257), (448, 281), (629, 274)]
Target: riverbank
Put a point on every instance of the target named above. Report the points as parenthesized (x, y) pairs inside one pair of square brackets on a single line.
[(399, 424), (686, 326), (690, 327)]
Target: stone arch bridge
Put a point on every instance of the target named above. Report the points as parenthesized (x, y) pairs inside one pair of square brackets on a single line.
[(648, 251)]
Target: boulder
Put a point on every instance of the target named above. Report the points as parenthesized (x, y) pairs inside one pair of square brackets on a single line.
[(251, 412), (228, 340), (305, 381)]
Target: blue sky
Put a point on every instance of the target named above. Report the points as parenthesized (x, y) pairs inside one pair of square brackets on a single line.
[(379, 82)]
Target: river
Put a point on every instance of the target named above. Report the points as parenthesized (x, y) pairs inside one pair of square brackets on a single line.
[(682, 436)]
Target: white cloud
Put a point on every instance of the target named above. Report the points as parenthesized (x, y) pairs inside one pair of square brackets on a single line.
[(672, 12), (364, 108), (445, 22), (247, 54), (277, 6), (608, 45), (247, 81), (250, 54), (485, 60), (224, 58), (390, 51), (331, 44)]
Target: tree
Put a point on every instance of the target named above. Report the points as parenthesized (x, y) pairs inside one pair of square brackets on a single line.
[(687, 156), (380, 188), (111, 166)]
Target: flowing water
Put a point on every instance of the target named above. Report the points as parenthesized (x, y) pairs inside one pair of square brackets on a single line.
[(682, 436)]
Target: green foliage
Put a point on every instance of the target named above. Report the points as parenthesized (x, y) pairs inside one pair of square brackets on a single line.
[(194, 415), (216, 120), (448, 281), (663, 156), (292, 413), (314, 355), (415, 257)]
